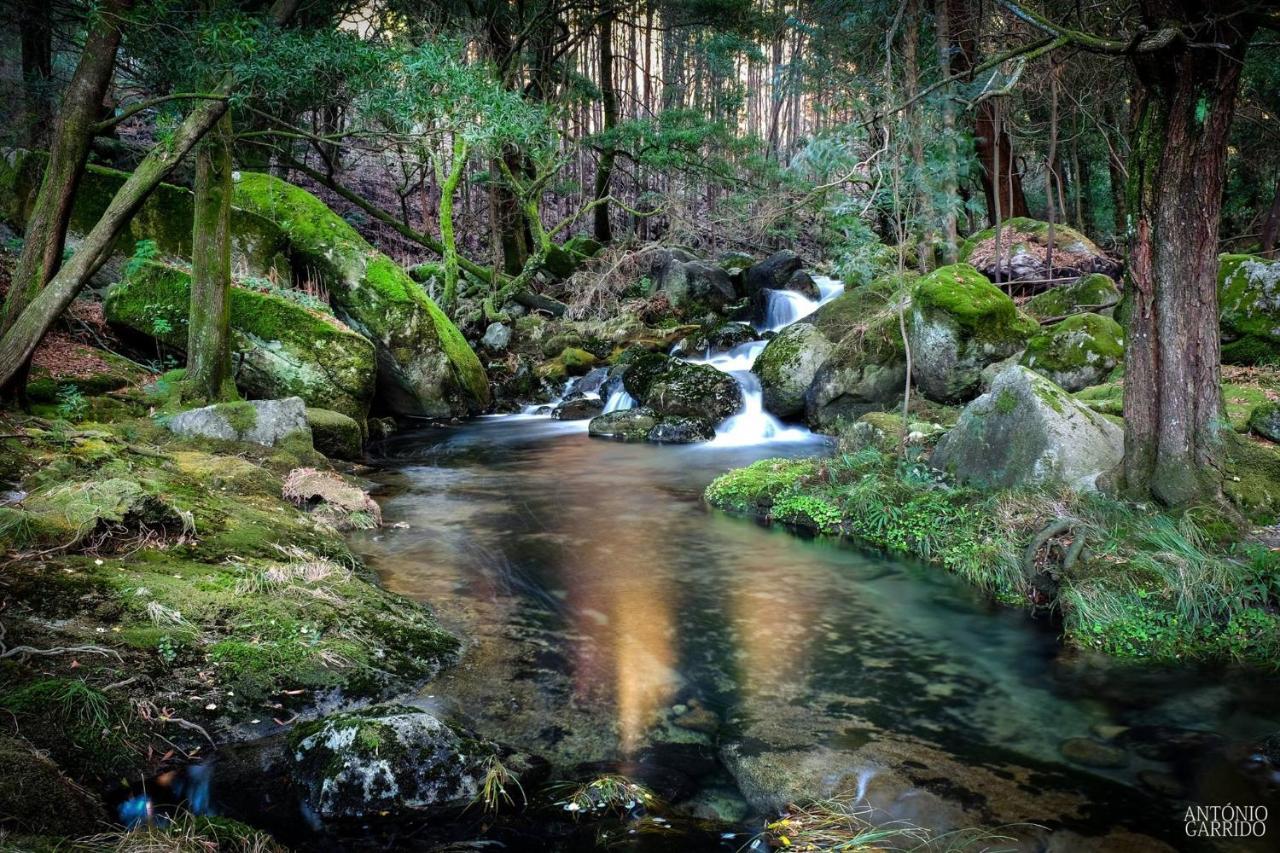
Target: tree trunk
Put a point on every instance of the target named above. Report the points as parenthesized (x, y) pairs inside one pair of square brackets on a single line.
[(25, 332), (36, 31), (948, 249), (609, 98), (1184, 103), (46, 228), (448, 187), (1271, 225), (208, 377)]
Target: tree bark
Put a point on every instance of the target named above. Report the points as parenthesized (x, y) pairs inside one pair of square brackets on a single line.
[(448, 187), (609, 99), (25, 332), (36, 33), (1184, 104), (46, 228), (1271, 225), (208, 375), (949, 243)]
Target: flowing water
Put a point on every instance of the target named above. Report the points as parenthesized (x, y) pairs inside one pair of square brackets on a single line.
[(614, 621)]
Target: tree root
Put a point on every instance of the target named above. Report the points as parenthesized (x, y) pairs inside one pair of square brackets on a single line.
[(1077, 549)]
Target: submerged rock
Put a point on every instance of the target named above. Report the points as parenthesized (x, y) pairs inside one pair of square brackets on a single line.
[(265, 422), (1024, 254), (960, 323), (1095, 293), (580, 408), (386, 759), (1249, 296), (677, 430), (1026, 430), (627, 425), (1080, 351), (1091, 753)]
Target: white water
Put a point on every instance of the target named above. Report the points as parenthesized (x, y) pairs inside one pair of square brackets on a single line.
[(752, 425)]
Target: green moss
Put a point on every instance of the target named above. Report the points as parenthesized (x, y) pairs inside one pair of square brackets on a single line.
[(759, 484), (1092, 292), (334, 434), (979, 308), (1037, 231), (1078, 351), (1249, 300), (240, 414)]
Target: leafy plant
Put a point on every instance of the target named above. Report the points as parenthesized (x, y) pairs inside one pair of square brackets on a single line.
[(72, 405)]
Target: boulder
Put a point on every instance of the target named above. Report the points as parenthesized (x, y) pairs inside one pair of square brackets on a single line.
[(678, 430), (1024, 255), (960, 323), (334, 434), (772, 273), (787, 367), (282, 347), (265, 422), (720, 337), (592, 382), (694, 284), (425, 366), (865, 371), (627, 425), (1249, 300), (1095, 293), (689, 391), (570, 362), (579, 408), (1264, 420), (496, 337), (1077, 352), (385, 760), (801, 282), (1028, 431)]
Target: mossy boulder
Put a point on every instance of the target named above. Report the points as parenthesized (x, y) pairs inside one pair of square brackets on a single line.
[(265, 422), (718, 337), (694, 285), (258, 247), (678, 389), (1028, 431), (1264, 420), (425, 366), (864, 371), (787, 367), (281, 348), (626, 425), (1024, 252), (680, 430), (89, 370), (334, 434), (385, 760), (1249, 300), (1096, 293), (960, 323), (1077, 352)]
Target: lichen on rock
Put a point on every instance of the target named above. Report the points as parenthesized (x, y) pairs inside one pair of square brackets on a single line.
[(1082, 350), (1249, 299)]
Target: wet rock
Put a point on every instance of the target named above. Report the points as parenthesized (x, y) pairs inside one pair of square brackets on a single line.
[(773, 273), (677, 430), (866, 370), (335, 435), (1093, 293), (960, 323), (1163, 784), (265, 422), (1026, 430), (578, 409), (787, 367), (1264, 420), (1077, 352), (627, 425), (496, 337), (385, 759), (1024, 252), (801, 282), (592, 382), (1092, 753), (673, 388), (721, 804), (1249, 296), (723, 336), (698, 718)]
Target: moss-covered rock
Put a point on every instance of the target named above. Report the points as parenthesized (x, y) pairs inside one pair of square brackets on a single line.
[(1095, 293), (960, 323), (89, 370), (36, 798), (383, 760), (1080, 351), (425, 366), (864, 371), (681, 430), (674, 388), (334, 434), (1024, 254), (787, 367), (1249, 300), (1264, 420), (282, 348), (1028, 431), (258, 247)]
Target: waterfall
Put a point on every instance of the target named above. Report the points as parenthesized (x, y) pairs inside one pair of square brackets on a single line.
[(784, 307), (619, 401)]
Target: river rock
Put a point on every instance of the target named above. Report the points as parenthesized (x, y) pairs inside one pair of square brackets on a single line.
[(334, 434), (1026, 430), (425, 365), (384, 759), (580, 408), (282, 348), (1249, 296), (801, 282), (723, 336), (673, 388), (496, 337), (773, 273), (1077, 352), (678, 430), (1092, 753), (960, 323), (865, 371), (787, 367), (265, 422), (1095, 293), (1264, 420), (626, 425), (1024, 255), (592, 382), (693, 284)]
